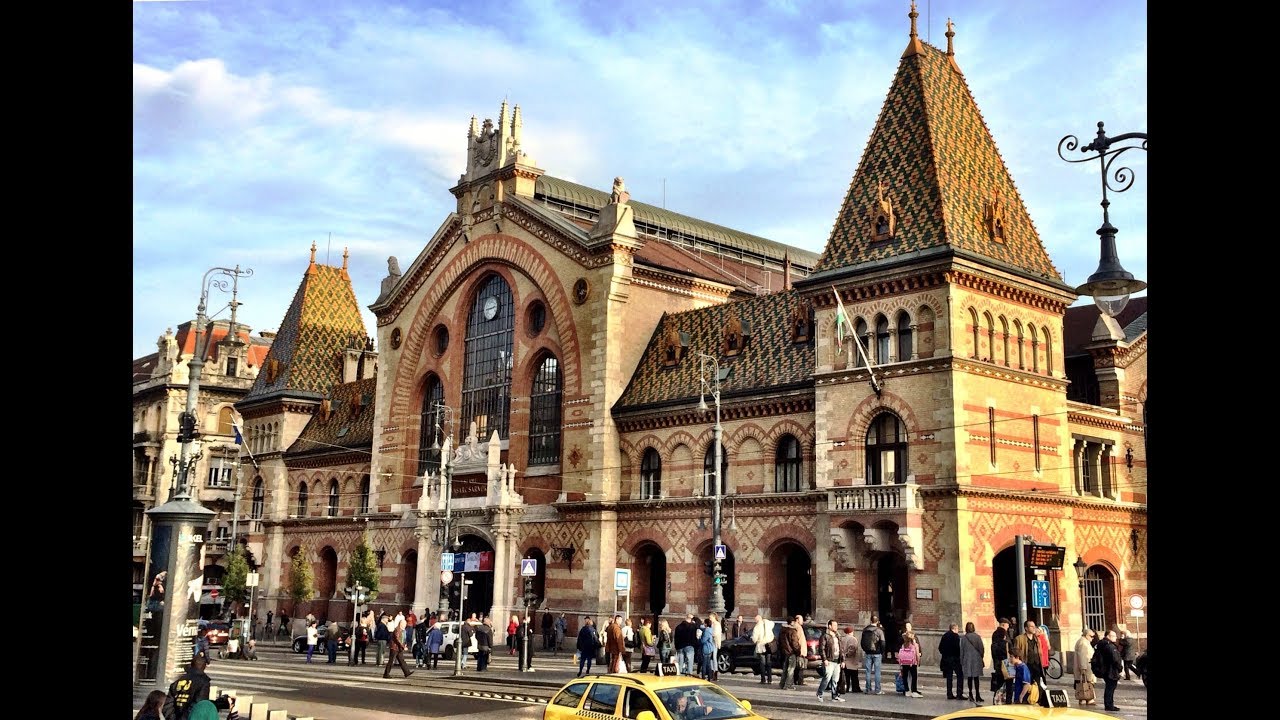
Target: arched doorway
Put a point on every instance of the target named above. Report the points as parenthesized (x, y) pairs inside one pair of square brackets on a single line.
[(650, 580), (727, 567), (540, 579), (409, 581), (326, 581), (790, 583), (1004, 584), (479, 598), (1100, 598), (892, 602)]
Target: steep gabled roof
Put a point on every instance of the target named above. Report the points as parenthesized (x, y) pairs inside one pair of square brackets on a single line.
[(770, 359), (348, 426), (322, 321), (941, 174)]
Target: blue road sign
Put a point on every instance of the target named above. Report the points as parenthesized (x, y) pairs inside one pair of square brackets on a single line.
[(721, 554), (528, 567), (446, 561), (1039, 593)]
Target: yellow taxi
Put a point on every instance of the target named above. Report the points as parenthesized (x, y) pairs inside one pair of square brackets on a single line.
[(1023, 712), (645, 697)]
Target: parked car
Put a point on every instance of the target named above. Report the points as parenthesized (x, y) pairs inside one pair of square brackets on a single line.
[(300, 637), (217, 631), (1022, 712), (646, 697), (740, 652)]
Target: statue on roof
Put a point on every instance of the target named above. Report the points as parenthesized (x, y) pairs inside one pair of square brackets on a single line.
[(619, 194)]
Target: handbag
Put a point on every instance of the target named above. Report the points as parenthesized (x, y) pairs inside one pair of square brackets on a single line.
[(899, 683), (1006, 668), (650, 651), (1084, 691)]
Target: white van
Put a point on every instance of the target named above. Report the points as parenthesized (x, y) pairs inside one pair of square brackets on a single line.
[(450, 630)]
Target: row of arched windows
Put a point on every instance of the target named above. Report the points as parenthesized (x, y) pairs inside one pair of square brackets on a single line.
[(886, 461), (1011, 344), (300, 500), (263, 437), (487, 381)]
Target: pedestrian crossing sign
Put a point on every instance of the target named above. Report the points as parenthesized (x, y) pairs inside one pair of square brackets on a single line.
[(720, 552), (528, 567)]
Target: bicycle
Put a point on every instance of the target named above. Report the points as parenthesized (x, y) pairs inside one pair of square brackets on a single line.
[(1054, 671)]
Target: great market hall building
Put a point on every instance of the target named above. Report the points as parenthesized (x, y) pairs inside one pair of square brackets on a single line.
[(570, 334)]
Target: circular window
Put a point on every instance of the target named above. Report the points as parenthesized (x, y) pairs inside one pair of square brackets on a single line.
[(581, 291), (536, 317), (395, 338), (440, 340)]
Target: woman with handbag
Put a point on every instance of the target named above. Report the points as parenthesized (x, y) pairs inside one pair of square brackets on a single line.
[(1085, 678), (666, 646), (971, 659), (909, 659), (1001, 681)]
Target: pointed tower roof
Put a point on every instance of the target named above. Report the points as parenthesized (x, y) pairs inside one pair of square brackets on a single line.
[(932, 178), (323, 319)]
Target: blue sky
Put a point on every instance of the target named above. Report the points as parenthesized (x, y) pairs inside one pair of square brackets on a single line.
[(261, 127)]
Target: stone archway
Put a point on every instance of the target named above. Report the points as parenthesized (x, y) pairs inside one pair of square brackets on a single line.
[(650, 580), (789, 581), (326, 581), (479, 596)]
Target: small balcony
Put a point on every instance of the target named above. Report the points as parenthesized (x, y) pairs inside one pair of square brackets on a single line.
[(874, 498), (142, 491)]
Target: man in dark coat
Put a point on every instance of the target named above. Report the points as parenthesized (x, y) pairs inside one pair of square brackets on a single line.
[(1111, 664), (949, 653), (793, 648), (686, 639), (588, 645), (395, 650), (548, 630), (190, 688), (1129, 652)]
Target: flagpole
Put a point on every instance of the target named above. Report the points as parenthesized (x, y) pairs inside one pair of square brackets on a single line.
[(842, 317)]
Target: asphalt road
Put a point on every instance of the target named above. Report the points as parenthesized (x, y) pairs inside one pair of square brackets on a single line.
[(282, 680)]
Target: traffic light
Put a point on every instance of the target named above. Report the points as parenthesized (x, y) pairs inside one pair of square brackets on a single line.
[(187, 427), (529, 597)]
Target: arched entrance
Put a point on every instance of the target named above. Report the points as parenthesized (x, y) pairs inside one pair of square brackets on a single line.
[(409, 580), (650, 580), (540, 579), (892, 603), (479, 598), (326, 581), (1004, 584), (789, 585), (727, 567)]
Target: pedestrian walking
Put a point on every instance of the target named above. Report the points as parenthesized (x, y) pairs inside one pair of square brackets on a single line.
[(829, 661), (791, 648), (188, 689), (613, 645), (909, 661), (270, 615), (331, 633), (872, 644), (562, 626), (1129, 653), (949, 660), (435, 641), (972, 653), (484, 644), (644, 639), (395, 649), (587, 646), (666, 647), (1107, 664), (548, 631), (381, 637), (708, 642), (849, 666), (762, 636), (1001, 682), (1085, 679), (313, 637), (629, 643)]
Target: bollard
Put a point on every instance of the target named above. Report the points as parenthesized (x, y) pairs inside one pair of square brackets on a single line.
[(257, 711), (278, 715)]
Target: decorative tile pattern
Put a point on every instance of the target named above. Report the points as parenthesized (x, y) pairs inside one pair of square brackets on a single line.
[(938, 163)]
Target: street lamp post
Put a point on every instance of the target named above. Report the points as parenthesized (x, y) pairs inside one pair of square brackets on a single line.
[(445, 413), (1080, 565), (713, 384), (1110, 285)]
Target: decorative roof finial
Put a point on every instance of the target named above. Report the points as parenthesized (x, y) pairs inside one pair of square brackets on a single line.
[(914, 46), (951, 33), (345, 255), (313, 252)]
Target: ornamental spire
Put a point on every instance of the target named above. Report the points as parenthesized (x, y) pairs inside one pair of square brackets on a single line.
[(914, 47)]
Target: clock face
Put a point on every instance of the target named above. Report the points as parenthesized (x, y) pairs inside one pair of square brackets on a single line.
[(490, 308)]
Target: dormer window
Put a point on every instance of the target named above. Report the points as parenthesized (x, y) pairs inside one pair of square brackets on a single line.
[(736, 334), (801, 324), (231, 366), (674, 346), (881, 212), (994, 215)]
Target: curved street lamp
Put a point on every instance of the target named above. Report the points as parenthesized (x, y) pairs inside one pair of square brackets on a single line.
[(1110, 285)]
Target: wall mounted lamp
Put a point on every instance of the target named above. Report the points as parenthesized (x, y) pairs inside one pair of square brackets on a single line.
[(382, 556), (565, 555), (1128, 457)]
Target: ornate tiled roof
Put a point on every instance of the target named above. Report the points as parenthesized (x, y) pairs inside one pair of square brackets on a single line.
[(347, 425), (932, 159), (770, 359), (322, 321)]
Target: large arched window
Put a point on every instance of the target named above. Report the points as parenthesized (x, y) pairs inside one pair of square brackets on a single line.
[(973, 322), (1017, 330), (786, 469), (1004, 340), (486, 379), (364, 494), (302, 499), (224, 421), (904, 337), (882, 340), (991, 338), (1035, 349), (1048, 350), (650, 475), (708, 469), (428, 437), (886, 450), (333, 498), (259, 499), (544, 413)]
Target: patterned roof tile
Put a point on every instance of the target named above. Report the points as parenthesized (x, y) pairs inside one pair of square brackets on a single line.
[(348, 426)]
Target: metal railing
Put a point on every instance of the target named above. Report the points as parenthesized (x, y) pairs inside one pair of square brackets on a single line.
[(871, 497)]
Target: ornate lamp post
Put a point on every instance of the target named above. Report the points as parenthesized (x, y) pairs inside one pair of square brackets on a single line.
[(444, 419), (1110, 285), (1081, 566), (711, 381)]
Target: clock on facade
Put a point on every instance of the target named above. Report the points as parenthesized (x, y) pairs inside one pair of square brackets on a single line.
[(490, 308), (395, 338)]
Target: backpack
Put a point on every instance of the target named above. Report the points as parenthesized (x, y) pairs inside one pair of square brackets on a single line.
[(1099, 662), (870, 643)]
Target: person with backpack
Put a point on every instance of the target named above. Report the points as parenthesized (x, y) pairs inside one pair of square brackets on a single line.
[(909, 660), (849, 667), (1001, 683), (872, 644), (766, 645), (1107, 663), (190, 688)]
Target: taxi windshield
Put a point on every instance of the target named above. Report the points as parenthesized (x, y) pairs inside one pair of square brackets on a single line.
[(700, 701)]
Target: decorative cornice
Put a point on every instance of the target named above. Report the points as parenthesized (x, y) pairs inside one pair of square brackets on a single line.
[(693, 507), (1003, 289), (423, 270), (659, 418), (328, 459), (884, 287), (1047, 498), (538, 226), (1093, 420)]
